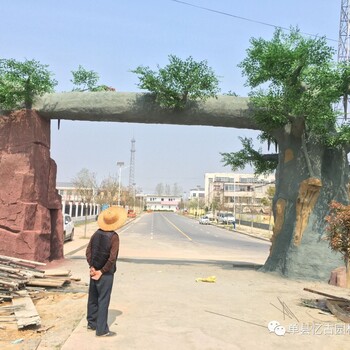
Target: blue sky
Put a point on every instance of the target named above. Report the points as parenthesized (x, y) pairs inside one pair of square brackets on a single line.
[(113, 37)]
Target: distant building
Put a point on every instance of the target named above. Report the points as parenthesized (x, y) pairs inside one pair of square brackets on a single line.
[(72, 205), (67, 191), (162, 203), (236, 192), (197, 193), (196, 201)]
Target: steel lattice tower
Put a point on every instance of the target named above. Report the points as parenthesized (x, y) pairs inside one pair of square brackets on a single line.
[(132, 165), (344, 35), (344, 43)]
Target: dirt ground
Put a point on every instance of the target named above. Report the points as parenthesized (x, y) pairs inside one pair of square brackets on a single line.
[(220, 321), (157, 303), (60, 313)]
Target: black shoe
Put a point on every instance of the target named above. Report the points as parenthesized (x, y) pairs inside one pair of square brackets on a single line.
[(91, 328), (108, 334)]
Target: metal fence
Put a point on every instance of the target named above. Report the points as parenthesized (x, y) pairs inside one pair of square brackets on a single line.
[(253, 224)]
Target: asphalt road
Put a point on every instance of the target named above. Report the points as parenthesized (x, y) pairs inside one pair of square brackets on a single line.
[(170, 232), (158, 304)]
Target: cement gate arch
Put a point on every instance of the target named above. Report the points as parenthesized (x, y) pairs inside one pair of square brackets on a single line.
[(31, 215), (40, 231)]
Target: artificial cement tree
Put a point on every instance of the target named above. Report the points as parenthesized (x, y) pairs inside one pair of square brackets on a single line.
[(295, 85)]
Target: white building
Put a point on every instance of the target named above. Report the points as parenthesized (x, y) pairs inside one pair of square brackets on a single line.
[(162, 203), (236, 192), (197, 193), (72, 205)]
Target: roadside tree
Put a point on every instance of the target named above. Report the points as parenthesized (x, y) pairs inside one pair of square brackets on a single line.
[(160, 189), (108, 191), (176, 189), (86, 187)]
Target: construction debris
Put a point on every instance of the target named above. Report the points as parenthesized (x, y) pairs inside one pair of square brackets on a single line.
[(26, 315), (338, 306), (340, 309), (20, 281)]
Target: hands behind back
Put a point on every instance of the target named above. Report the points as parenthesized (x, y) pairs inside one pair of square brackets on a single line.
[(95, 274)]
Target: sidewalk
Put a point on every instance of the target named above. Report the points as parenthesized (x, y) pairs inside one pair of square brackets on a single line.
[(157, 304), (243, 229)]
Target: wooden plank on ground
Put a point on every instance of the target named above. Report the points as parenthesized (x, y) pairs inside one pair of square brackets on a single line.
[(7, 318), (326, 295), (11, 308), (10, 258), (336, 307), (28, 315), (47, 282), (58, 273)]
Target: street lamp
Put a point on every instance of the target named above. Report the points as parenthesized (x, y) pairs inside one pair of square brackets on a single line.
[(120, 165), (234, 197), (198, 186), (134, 194)]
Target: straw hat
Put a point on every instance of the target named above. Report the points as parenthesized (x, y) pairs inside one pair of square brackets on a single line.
[(112, 218)]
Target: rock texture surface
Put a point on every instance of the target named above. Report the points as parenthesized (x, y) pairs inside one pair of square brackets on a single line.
[(30, 207), (130, 107)]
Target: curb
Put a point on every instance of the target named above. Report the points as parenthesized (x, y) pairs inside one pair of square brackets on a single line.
[(240, 232)]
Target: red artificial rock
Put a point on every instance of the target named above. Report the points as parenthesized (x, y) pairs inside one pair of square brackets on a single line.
[(338, 277), (30, 207)]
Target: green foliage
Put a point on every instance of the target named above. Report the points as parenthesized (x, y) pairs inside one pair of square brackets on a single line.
[(294, 81), (179, 82), (230, 93), (299, 80), (265, 201), (21, 82), (86, 80), (271, 192), (248, 155), (341, 137)]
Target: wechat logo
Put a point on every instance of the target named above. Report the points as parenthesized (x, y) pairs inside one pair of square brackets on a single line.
[(275, 327)]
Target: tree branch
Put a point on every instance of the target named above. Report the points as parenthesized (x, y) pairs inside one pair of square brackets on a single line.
[(270, 157)]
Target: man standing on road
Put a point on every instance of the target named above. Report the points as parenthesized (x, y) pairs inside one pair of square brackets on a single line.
[(101, 255)]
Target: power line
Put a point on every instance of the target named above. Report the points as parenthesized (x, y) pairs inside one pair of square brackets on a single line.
[(245, 19)]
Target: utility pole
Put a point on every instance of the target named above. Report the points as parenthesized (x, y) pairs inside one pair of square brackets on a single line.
[(120, 165), (344, 44), (132, 166)]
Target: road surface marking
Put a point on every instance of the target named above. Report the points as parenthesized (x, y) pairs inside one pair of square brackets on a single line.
[(152, 226), (183, 233)]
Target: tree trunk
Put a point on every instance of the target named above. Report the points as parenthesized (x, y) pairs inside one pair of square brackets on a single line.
[(309, 176)]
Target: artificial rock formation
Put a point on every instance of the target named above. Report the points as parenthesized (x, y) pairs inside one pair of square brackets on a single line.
[(30, 208), (130, 107)]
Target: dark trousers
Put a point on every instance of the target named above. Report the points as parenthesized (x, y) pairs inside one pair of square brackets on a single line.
[(98, 303)]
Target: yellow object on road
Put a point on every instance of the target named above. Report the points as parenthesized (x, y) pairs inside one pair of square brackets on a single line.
[(210, 279)]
